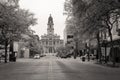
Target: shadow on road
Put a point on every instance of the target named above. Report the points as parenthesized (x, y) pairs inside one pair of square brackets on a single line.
[(70, 73)]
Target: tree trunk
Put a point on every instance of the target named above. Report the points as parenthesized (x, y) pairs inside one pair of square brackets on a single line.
[(99, 48), (6, 44), (105, 53), (111, 40), (88, 54)]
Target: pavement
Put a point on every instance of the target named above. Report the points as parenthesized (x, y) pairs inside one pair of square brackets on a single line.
[(52, 68)]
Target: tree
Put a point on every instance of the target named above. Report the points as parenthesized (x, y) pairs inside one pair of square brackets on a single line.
[(34, 45), (68, 8), (106, 12), (99, 14), (14, 22), (95, 15)]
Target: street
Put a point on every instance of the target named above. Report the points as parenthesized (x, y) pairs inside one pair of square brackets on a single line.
[(52, 68)]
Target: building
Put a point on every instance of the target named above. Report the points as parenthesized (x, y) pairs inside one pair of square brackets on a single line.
[(50, 41), (68, 37), (20, 47), (72, 39), (105, 42)]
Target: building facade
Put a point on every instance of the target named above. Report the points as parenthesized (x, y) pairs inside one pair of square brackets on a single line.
[(68, 37), (50, 41)]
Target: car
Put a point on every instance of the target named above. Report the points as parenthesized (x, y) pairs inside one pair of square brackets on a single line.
[(92, 57), (37, 56), (42, 55)]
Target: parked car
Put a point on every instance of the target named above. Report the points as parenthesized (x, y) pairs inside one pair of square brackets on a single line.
[(37, 56), (42, 55), (92, 57)]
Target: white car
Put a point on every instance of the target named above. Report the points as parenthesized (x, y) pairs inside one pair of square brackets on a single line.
[(37, 56), (86, 56)]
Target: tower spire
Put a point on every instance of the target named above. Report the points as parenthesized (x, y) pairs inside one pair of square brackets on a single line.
[(50, 24), (50, 20)]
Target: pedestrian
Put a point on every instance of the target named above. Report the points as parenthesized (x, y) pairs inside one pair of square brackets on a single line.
[(0, 57)]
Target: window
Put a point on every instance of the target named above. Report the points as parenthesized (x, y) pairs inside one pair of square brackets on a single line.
[(58, 42), (54, 42), (50, 43), (68, 42), (46, 42), (70, 36)]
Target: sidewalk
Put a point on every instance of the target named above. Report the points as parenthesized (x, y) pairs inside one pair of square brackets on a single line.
[(3, 61), (109, 64)]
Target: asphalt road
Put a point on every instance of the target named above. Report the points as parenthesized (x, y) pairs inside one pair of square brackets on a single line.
[(51, 68)]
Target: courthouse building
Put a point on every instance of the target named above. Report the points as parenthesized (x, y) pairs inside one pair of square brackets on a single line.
[(50, 41)]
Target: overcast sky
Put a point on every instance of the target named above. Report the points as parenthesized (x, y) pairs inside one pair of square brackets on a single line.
[(42, 9)]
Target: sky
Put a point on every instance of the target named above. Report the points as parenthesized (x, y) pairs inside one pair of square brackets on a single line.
[(42, 9)]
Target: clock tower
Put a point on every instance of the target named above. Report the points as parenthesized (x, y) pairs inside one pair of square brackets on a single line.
[(50, 29), (50, 41)]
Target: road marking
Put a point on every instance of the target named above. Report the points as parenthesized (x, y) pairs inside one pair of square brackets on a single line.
[(50, 70)]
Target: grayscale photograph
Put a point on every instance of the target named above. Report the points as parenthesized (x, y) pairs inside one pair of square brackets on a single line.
[(59, 39)]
